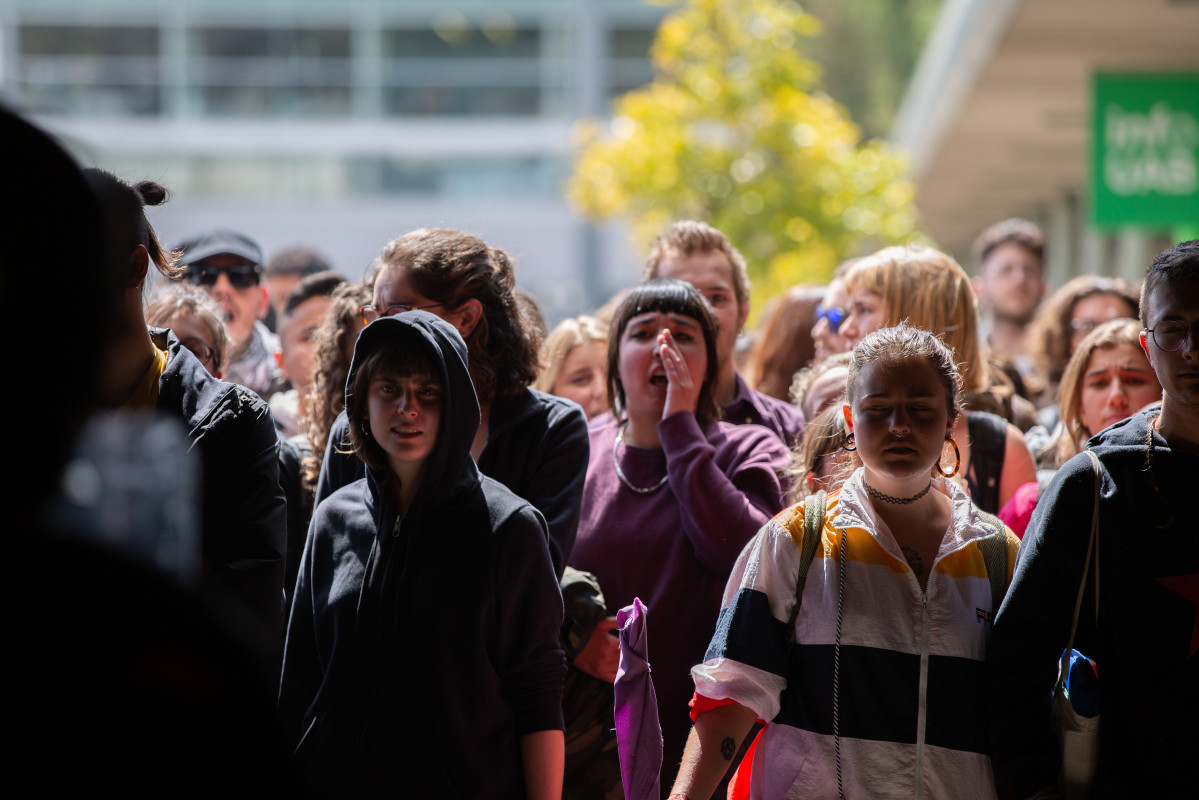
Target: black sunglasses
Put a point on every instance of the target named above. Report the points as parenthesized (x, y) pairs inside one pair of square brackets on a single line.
[(241, 276)]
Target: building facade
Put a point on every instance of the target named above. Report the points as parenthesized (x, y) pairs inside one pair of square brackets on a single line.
[(343, 123)]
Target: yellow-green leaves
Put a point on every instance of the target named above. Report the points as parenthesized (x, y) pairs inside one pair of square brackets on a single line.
[(734, 132)]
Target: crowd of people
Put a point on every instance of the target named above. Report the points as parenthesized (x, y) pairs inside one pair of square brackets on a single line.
[(859, 531)]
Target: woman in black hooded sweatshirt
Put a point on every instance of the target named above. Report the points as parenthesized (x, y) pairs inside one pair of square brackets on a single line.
[(422, 654)]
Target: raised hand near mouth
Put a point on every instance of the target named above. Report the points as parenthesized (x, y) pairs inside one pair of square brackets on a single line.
[(682, 389)]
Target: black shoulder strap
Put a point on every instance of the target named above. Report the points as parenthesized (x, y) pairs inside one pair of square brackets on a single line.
[(814, 508), (988, 442)]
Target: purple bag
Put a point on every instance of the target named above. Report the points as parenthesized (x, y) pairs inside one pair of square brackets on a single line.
[(638, 732)]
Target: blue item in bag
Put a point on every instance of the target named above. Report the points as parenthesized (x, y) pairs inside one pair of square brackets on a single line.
[(1082, 684)]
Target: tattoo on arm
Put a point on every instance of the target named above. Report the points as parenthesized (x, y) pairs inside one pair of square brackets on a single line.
[(728, 748), (914, 561)]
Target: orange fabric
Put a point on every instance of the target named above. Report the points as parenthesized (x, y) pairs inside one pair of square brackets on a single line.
[(702, 705), (739, 785)]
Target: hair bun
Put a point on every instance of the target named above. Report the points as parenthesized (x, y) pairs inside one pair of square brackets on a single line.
[(152, 193)]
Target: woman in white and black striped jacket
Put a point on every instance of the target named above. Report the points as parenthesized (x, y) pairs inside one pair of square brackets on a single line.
[(881, 694)]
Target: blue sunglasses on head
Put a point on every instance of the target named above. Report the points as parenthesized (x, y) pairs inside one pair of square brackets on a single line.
[(835, 316)]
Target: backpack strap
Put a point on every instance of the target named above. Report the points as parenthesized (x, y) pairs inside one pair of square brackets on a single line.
[(814, 508), (994, 550)]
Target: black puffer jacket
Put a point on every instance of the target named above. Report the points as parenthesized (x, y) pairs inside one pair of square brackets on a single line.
[(422, 646), (243, 514)]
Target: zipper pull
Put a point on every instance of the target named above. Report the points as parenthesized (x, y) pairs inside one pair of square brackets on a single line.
[(395, 529)]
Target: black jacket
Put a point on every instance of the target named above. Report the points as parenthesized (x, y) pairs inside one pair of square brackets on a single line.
[(422, 647), (536, 446), (243, 515), (1146, 644)]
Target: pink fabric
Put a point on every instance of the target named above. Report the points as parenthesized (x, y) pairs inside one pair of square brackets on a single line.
[(1018, 511)]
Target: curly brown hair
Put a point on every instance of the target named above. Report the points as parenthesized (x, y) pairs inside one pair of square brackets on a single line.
[(333, 353), (450, 267), (1051, 336)]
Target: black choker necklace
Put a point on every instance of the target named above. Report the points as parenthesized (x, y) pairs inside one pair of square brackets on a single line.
[(899, 501)]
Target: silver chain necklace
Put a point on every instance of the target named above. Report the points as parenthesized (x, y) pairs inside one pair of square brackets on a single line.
[(620, 473), (899, 501)]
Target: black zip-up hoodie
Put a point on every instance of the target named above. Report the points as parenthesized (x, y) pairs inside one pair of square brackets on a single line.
[(422, 647), (1146, 643)]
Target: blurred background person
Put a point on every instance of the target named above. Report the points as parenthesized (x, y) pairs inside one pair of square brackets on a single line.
[(784, 345), (228, 266), (300, 318), (333, 350), (822, 461), (283, 271), (1107, 379), (1070, 313), (672, 493), (194, 319), (933, 293), (826, 330), (574, 364), (1009, 258), (703, 257), (820, 385)]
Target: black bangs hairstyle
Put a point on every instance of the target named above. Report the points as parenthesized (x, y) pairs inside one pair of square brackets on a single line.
[(669, 297), (395, 361)]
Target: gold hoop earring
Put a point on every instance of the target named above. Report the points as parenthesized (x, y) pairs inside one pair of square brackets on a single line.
[(957, 461), (850, 443)]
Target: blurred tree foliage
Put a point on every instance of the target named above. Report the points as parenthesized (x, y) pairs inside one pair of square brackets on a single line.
[(868, 52), (734, 132)]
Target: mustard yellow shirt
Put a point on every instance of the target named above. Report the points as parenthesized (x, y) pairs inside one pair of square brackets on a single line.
[(146, 393)]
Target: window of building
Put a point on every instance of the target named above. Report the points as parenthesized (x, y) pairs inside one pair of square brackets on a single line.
[(94, 71), (288, 72)]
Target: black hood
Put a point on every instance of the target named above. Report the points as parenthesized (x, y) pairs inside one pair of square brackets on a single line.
[(444, 348), (1127, 437)]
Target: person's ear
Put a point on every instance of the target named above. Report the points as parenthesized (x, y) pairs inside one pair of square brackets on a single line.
[(847, 412), (742, 314), (812, 482), (264, 300), (980, 287), (467, 317), (139, 266), (1145, 346), (279, 363)]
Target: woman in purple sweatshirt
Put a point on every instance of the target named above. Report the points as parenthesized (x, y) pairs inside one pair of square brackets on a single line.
[(672, 494)]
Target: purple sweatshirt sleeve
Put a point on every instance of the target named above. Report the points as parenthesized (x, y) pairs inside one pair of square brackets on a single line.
[(723, 508)]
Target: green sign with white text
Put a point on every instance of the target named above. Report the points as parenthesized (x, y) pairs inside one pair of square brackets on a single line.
[(1145, 150)]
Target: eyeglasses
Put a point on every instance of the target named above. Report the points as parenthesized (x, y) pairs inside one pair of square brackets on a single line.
[(1082, 327), (200, 348), (241, 276), (835, 316), (372, 313), (1172, 336)]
